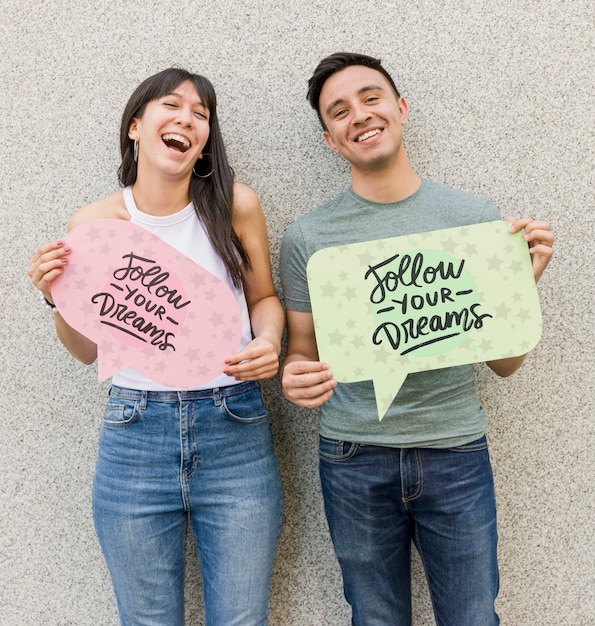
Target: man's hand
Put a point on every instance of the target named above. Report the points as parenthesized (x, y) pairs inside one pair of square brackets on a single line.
[(540, 239), (308, 383)]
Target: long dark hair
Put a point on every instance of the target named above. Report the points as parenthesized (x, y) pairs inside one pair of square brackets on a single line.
[(212, 196)]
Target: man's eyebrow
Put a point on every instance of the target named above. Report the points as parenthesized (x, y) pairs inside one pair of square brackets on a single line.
[(338, 101)]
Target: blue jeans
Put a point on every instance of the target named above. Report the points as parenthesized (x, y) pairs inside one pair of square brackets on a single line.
[(378, 501), (205, 458)]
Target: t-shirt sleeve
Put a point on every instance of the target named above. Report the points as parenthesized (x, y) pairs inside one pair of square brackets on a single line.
[(294, 279), (490, 212)]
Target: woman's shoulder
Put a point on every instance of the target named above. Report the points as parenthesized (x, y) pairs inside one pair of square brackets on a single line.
[(244, 196), (247, 218), (245, 201), (111, 207)]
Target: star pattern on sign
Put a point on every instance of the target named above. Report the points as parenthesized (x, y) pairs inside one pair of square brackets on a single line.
[(485, 345), (471, 248), (93, 233), (87, 308), (509, 249), (357, 341), (105, 249), (468, 342), (183, 332), (336, 338), (524, 315), (525, 346), (203, 370), (215, 319), (358, 372), (210, 355), (80, 284), (349, 293), (138, 236), (228, 334), (198, 280), (448, 245), (494, 263), (502, 310), (210, 295), (116, 364), (343, 276), (381, 356), (350, 323), (192, 354), (516, 265), (328, 290), (160, 366), (366, 258)]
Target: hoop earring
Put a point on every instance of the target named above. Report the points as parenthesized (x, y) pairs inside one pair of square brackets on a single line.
[(203, 175), (135, 150)]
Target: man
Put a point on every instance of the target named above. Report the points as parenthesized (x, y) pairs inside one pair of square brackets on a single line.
[(422, 474)]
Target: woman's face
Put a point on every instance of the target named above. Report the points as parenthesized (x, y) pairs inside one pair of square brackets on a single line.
[(172, 132)]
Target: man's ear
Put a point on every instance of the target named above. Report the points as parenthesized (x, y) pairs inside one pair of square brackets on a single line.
[(329, 140), (403, 110)]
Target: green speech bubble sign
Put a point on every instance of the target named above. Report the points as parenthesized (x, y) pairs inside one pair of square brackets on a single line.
[(385, 308)]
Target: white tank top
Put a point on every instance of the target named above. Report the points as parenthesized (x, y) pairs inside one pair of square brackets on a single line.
[(184, 232)]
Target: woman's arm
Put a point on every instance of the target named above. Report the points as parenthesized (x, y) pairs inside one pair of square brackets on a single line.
[(260, 358), (51, 260)]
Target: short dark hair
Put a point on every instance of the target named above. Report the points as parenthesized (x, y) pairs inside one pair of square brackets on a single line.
[(335, 63)]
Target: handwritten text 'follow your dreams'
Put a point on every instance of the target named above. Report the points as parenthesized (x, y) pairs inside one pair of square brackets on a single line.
[(410, 287), (143, 305)]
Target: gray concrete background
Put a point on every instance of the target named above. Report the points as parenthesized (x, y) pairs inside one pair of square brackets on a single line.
[(501, 105)]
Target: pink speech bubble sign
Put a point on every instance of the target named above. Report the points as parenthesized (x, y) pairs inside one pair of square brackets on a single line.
[(146, 305)]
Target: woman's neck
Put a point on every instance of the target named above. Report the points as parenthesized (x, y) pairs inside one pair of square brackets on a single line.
[(164, 198)]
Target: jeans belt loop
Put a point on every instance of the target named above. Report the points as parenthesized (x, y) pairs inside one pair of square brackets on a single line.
[(217, 396), (143, 399)]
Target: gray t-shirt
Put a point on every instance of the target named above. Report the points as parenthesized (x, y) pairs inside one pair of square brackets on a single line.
[(436, 409)]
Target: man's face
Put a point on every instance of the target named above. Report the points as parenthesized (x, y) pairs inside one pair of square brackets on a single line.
[(363, 117)]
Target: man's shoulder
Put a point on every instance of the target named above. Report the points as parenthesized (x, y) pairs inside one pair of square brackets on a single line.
[(323, 211), (447, 191), (319, 219)]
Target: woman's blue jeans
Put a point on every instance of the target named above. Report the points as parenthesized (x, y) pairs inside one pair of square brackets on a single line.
[(379, 500), (166, 458)]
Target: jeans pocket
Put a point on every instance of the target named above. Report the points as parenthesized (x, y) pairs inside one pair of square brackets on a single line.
[(119, 415), (336, 449), (474, 446), (245, 408)]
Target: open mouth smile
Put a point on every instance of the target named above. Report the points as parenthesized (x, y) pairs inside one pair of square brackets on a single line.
[(369, 134), (178, 142)]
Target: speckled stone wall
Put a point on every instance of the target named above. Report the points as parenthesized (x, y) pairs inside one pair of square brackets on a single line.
[(501, 105)]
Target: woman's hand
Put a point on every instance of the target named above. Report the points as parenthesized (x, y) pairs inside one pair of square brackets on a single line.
[(258, 360), (47, 264)]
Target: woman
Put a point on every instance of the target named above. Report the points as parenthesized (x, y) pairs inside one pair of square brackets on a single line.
[(169, 456)]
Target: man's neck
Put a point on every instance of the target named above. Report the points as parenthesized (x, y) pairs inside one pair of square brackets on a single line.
[(390, 184)]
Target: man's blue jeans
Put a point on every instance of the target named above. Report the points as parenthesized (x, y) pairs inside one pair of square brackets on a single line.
[(379, 500), (166, 458)]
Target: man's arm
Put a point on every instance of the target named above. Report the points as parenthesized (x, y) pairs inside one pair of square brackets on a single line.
[(540, 240), (306, 381)]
